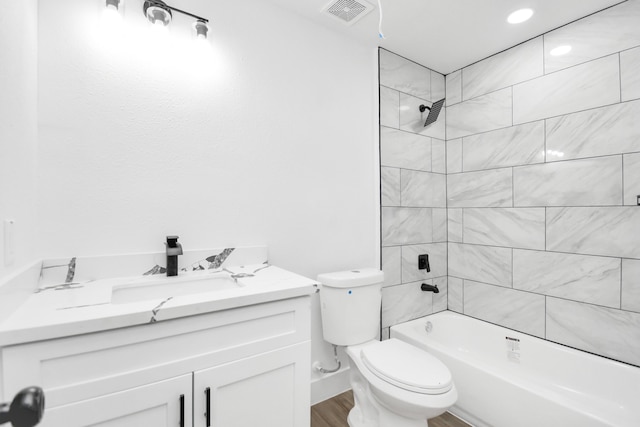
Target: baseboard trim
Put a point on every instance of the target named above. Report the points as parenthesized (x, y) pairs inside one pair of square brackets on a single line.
[(330, 385)]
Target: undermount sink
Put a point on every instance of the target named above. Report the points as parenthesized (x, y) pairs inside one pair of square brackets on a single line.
[(161, 288)]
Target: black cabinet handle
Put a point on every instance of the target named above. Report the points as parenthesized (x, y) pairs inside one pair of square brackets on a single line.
[(207, 414), (182, 410)]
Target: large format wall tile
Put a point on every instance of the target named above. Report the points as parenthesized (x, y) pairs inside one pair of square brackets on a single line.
[(437, 259), (587, 182), (598, 132), (390, 178), (481, 263), (631, 178), (423, 189), (455, 294), (405, 226), (437, 86), (389, 107), (392, 265), (583, 278), (515, 65), (454, 224), (631, 284), (492, 188), (440, 299), (612, 231), (512, 227), (454, 155), (454, 87), (405, 302), (630, 73), (512, 146), (439, 225), (601, 34), (600, 330), (510, 308), (412, 120), (585, 86), (403, 75), (404, 149), (438, 156), (481, 114)]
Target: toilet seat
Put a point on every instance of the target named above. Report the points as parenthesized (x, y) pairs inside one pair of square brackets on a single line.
[(407, 367)]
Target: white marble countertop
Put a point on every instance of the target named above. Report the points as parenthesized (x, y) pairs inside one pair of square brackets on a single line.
[(72, 309)]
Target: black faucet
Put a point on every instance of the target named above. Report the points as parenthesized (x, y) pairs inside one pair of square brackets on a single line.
[(429, 288), (173, 250)]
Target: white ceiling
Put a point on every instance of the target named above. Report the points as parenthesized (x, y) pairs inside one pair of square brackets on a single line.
[(446, 35)]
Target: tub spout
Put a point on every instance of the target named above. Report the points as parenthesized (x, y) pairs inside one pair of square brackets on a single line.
[(429, 288)]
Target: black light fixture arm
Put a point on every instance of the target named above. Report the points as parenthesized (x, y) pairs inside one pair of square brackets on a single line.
[(187, 13), (162, 4)]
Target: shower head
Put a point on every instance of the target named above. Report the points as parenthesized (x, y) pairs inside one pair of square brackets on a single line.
[(434, 111)]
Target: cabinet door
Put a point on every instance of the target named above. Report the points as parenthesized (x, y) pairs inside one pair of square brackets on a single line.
[(267, 390), (158, 404)]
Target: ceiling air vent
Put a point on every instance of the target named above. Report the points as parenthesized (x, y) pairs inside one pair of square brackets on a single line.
[(348, 11)]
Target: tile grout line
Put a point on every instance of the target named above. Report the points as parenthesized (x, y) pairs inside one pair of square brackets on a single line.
[(534, 250), (620, 73), (543, 75), (544, 153), (512, 283), (545, 316), (621, 290), (622, 171), (538, 164), (446, 189), (611, 104), (524, 291), (544, 64), (545, 229)]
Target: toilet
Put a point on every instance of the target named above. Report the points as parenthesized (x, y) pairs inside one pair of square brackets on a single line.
[(394, 383)]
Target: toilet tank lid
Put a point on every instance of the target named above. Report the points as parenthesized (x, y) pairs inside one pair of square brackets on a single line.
[(352, 278)]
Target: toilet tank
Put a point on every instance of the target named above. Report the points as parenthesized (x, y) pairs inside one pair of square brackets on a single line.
[(350, 305)]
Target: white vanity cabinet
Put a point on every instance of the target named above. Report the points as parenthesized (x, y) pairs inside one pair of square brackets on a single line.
[(257, 391), (161, 404), (254, 360)]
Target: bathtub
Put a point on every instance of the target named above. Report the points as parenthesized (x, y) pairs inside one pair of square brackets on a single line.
[(509, 379)]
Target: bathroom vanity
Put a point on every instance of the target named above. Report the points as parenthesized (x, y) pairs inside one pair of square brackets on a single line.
[(237, 355)]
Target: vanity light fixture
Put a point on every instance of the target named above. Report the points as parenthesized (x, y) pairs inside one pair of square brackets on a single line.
[(201, 28), (114, 5), (160, 13), (157, 12), (520, 16)]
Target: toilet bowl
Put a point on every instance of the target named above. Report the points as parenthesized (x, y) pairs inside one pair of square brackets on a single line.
[(397, 385), (394, 383)]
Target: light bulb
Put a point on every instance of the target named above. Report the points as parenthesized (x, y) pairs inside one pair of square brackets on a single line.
[(201, 29)]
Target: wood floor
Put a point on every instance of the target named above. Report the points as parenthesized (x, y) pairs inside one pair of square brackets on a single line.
[(333, 413)]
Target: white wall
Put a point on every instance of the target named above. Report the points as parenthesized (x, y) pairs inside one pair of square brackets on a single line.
[(18, 129), (267, 136)]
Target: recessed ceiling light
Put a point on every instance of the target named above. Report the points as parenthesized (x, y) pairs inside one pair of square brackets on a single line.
[(520, 16), (560, 50)]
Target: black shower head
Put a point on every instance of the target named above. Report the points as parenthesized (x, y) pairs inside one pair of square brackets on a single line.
[(434, 111)]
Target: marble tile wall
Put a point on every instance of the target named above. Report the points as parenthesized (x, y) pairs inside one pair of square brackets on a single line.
[(413, 190), (543, 175)]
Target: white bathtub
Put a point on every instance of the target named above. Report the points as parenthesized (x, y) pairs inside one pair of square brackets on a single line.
[(539, 384)]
